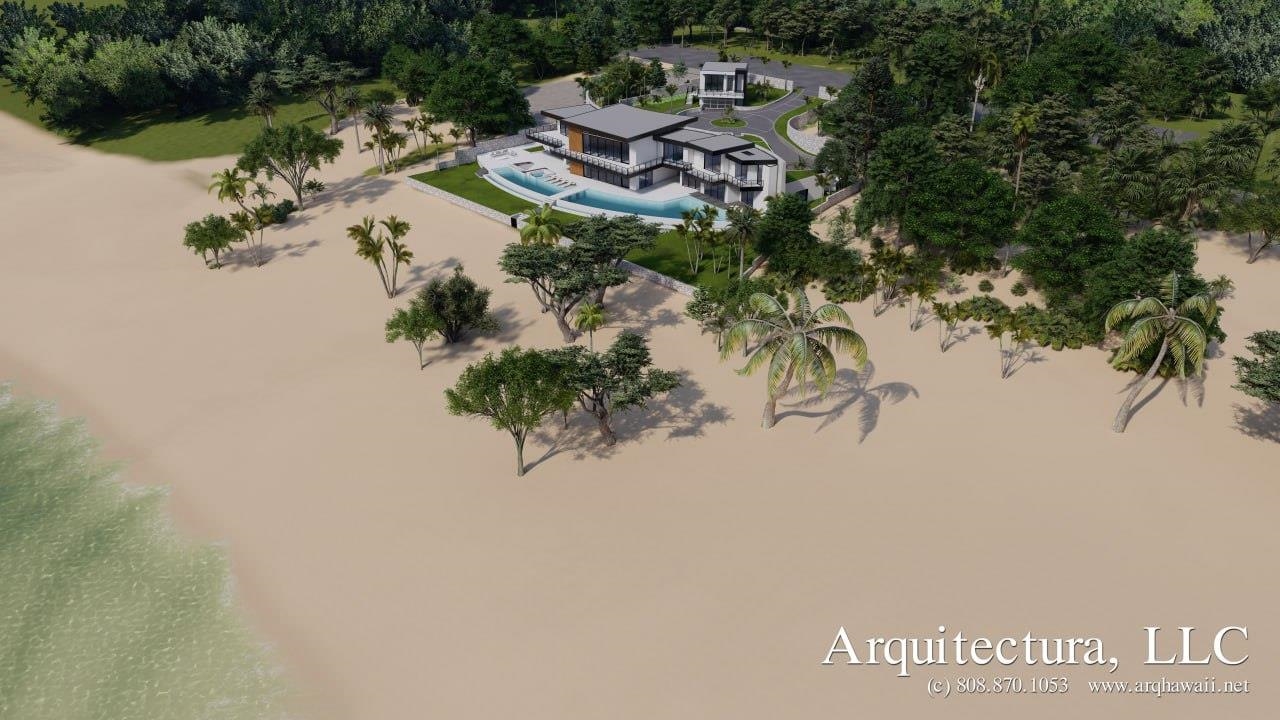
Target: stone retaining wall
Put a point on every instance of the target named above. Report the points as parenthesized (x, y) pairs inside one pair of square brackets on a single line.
[(806, 141), (835, 198), (638, 271)]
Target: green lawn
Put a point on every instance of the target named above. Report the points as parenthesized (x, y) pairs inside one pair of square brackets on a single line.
[(729, 122), (757, 140), (780, 125), (463, 182), (793, 175), (166, 135), (667, 257), (763, 94), (674, 104), (1203, 126), (411, 158)]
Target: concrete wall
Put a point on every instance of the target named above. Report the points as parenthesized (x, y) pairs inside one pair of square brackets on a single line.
[(807, 142)]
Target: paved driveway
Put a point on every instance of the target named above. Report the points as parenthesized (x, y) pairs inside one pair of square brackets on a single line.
[(759, 122)]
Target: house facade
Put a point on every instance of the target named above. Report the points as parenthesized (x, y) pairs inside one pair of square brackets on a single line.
[(638, 149), (722, 85)]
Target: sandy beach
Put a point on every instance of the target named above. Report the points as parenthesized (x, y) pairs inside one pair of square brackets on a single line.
[(701, 567)]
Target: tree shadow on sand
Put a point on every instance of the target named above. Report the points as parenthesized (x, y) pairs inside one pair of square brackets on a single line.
[(510, 328), (420, 275), (353, 191), (852, 390), (682, 413), (638, 306), (1259, 421), (242, 257)]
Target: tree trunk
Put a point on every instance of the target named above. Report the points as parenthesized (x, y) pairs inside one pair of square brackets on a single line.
[(1257, 253), (973, 117), (359, 149), (565, 329), (1017, 177), (771, 406), (422, 363), (269, 125), (1122, 417), (519, 454), (602, 416)]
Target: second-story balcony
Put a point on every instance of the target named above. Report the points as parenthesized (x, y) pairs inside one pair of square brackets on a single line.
[(619, 167), (715, 176), (545, 134)]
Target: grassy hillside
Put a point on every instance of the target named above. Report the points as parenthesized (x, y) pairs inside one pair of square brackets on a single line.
[(1202, 127)]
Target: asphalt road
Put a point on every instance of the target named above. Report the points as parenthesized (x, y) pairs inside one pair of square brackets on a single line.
[(759, 122)]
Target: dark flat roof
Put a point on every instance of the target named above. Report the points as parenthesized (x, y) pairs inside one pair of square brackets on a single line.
[(753, 155), (709, 142), (625, 122), (567, 112)]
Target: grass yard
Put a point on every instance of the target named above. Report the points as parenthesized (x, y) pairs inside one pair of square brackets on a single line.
[(416, 156), (667, 257), (793, 175), (167, 135), (674, 104), (729, 122), (763, 94), (759, 141), (463, 182), (670, 258), (1202, 128)]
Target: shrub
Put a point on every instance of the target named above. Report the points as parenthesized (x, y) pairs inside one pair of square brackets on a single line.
[(986, 286), (1019, 289), (281, 211)]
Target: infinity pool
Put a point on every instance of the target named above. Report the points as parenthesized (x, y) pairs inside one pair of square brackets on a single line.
[(530, 181), (635, 206)]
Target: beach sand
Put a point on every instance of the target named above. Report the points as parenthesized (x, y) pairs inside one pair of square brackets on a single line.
[(701, 568)]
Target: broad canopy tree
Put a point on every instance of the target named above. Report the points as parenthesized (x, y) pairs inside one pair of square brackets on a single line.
[(480, 97), (290, 152), (560, 277), (619, 378)]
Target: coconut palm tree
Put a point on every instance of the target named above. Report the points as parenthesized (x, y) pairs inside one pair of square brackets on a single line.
[(1023, 125), (1196, 179), (1164, 321), (369, 246), (400, 253), (744, 222), (351, 101), (797, 345), (541, 227), (590, 318), (231, 185)]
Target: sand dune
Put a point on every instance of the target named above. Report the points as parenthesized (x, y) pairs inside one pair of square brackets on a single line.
[(698, 569)]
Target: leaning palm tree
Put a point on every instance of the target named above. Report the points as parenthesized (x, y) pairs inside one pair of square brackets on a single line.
[(231, 185), (541, 227), (400, 253), (744, 222), (590, 318), (352, 100), (798, 345), (1164, 321), (369, 246)]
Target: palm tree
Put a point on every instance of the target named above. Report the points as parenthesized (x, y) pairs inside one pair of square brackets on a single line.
[(377, 118), (590, 318), (392, 143), (744, 222), (1195, 179), (400, 253), (369, 246), (1023, 125), (436, 139), (231, 185), (799, 345), (541, 227), (1165, 321), (351, 101), (262, 103)]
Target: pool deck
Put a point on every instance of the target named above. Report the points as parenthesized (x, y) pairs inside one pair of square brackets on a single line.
[(521, 160)]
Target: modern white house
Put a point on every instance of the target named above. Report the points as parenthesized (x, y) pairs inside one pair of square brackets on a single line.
[(722, 85), (624, 159)]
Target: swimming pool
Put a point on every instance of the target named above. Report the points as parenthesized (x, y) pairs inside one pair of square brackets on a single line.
[(635, 206), (530, 181)]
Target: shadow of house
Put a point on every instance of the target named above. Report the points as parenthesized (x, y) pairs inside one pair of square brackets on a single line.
[(853, 391)]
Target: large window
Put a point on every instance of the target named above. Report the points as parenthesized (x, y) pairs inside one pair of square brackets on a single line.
[(689, 181), (711, 162), (604, 147), (749, 173), (716, 191), (749, 196), (672, 151), (609, 176)]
